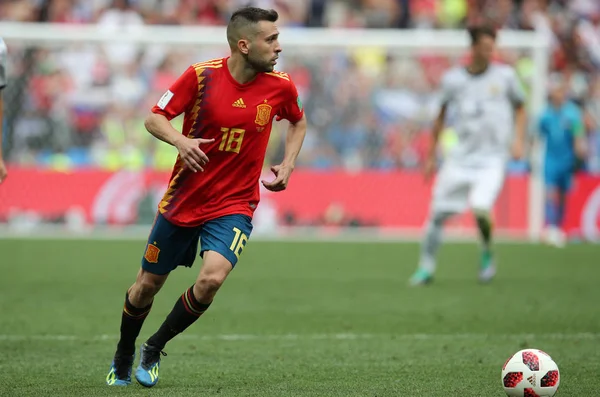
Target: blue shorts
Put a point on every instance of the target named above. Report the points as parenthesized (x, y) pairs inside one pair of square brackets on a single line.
[(170, 245), (558, 179)]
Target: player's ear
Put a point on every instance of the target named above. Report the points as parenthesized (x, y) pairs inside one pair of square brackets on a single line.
[(243, 46)]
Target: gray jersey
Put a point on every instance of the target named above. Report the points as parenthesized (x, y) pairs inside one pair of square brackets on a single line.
[(3, 62), (481, 112)]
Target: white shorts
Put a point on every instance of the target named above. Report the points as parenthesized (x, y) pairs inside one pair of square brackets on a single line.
[(458, 188)]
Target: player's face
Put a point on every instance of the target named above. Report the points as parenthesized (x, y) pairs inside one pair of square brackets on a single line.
[(558, 94), (483, 49), (264, 48)]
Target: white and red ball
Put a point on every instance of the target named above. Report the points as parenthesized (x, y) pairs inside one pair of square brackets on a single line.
[(530, 373)]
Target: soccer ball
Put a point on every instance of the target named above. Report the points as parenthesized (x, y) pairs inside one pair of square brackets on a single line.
[(530, 373)]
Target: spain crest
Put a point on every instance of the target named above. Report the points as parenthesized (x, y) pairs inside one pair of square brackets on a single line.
[(263, 114), (152, 252)]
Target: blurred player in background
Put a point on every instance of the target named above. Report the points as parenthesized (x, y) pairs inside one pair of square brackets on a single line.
[(3, 55), (229, 106), (486, 101), (561, 126)]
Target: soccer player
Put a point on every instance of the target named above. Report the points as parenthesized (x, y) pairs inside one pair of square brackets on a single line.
[(561, 126), (3, 55), (229, 106), (486, 101)]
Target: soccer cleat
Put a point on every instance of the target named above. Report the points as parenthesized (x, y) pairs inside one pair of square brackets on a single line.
[(487, 268), (120, 371), (555, 237), (420, 277), (147, 372)]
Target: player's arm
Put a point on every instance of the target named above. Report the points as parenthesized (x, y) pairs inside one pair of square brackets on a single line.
[(438, 127), (447, 93), (520, 131), (293, 141), (541, 124), (189, 149), (178, 99), (579, 136), (3, 171), (517, 96)]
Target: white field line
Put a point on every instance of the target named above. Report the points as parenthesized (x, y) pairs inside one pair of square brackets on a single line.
[(309, 337)]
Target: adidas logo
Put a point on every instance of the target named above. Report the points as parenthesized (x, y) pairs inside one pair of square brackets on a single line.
[(531, 379), (239, 104)]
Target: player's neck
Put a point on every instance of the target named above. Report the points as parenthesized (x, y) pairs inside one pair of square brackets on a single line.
[(476, 68), (240, 70)]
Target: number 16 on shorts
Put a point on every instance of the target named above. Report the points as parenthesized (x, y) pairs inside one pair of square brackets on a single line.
[(226, 235), (238, 243)]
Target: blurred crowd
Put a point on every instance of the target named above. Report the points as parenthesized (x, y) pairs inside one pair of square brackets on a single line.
[(84, 105)]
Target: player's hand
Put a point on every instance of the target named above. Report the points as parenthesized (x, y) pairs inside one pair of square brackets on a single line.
[(3, 171), (517, 150), (189, 151), (580, 150), (429, 168), (282, 176)]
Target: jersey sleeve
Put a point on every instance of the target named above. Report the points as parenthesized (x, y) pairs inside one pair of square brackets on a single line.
[(3, 62), (292, 110), (541, 127), (515, 88), (180, 97)]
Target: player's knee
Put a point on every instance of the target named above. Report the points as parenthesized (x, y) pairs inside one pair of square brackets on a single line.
[(481, 213), (439, 218), (147, 285), (207, 286), (553, 194), (147, 289)]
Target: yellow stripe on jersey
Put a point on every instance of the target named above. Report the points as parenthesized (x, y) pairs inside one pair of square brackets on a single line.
[(196, 108), (199, 68), (209, 66), (215, 63), (281, 75), (166, 200)]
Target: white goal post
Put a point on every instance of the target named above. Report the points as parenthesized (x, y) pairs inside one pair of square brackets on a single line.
[(312, 41)]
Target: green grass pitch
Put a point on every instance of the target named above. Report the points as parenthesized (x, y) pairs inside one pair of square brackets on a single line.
[(303, 319)]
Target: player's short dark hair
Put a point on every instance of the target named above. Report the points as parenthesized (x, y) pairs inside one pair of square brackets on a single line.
[(477, 32), (244, 18)]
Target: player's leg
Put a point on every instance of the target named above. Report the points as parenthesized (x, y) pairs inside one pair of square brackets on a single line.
[(552, 215), (429, 247), (449, 198), (222, 241), (138, 302), (562, 202), (163, 249), (485, 191), (553, 208), (560, 191)]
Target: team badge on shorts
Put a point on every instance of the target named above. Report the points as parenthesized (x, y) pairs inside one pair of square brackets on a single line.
[(151, 254), (263, 114)]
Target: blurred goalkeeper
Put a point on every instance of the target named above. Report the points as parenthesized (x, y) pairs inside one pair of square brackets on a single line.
[(229, 106), (561, 126), (3, 55), (487, 104)]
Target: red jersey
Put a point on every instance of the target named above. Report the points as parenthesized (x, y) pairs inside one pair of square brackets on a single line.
[(239, 117)]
